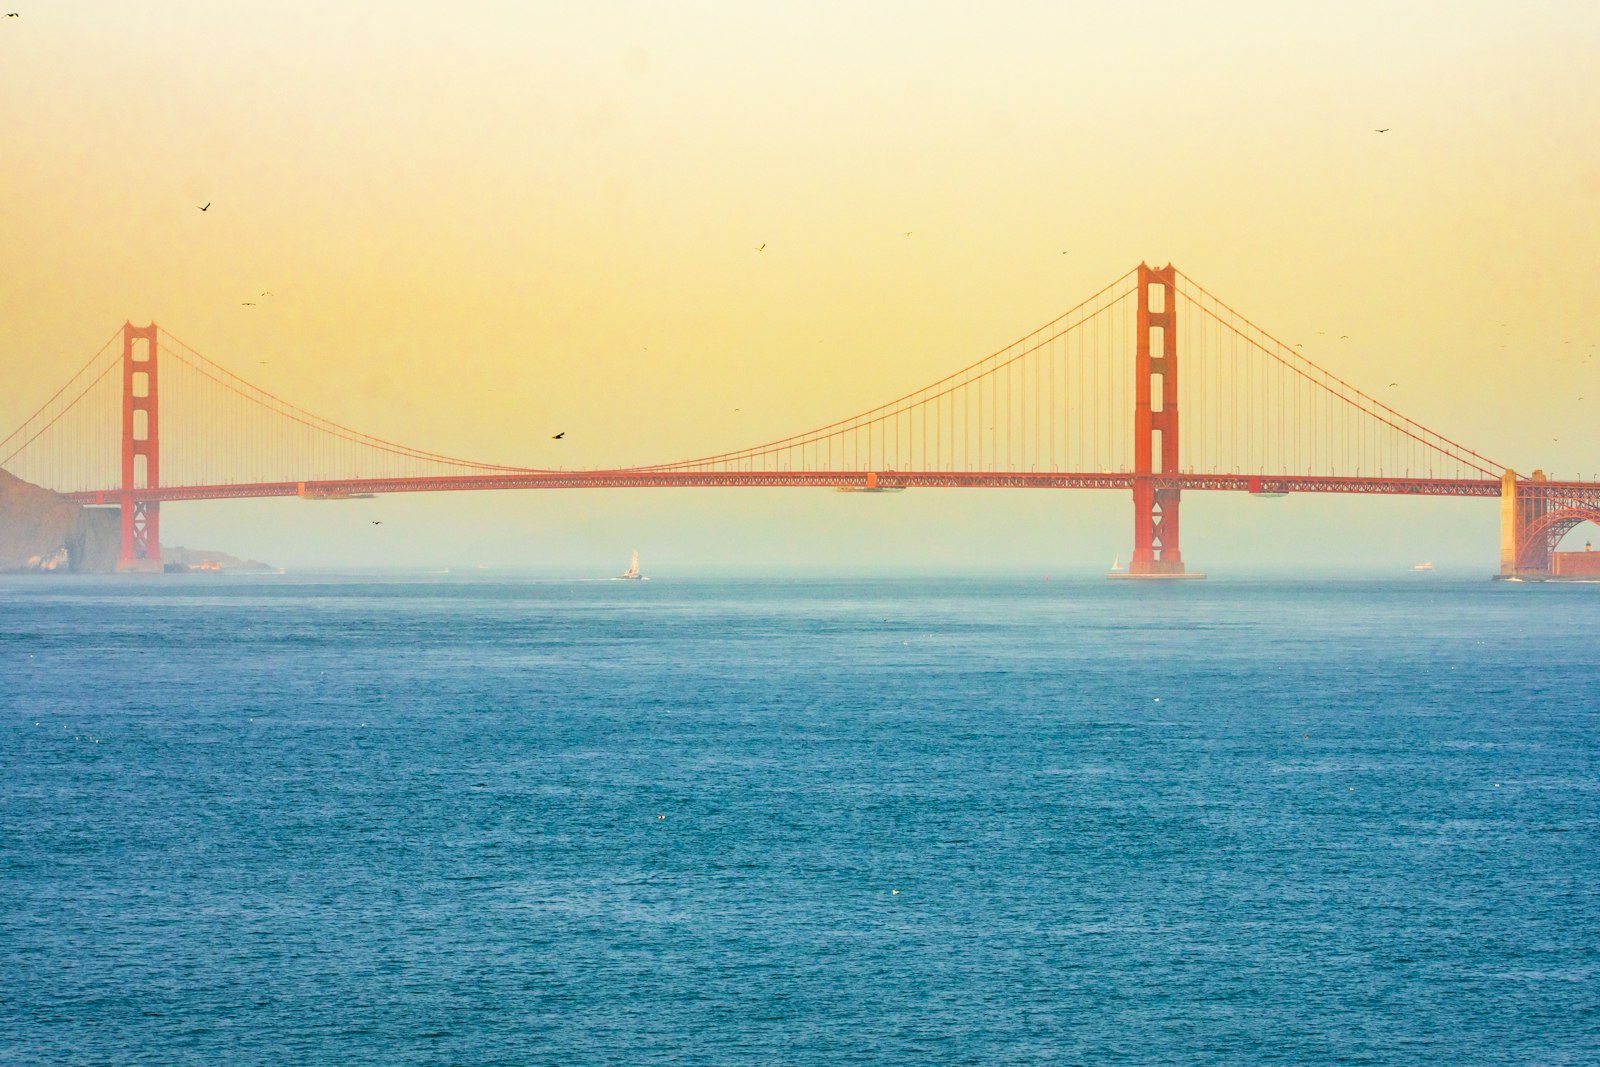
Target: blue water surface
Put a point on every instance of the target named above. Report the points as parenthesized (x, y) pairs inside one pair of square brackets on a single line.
[(297, 820)]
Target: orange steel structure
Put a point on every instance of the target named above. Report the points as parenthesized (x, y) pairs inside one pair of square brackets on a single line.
[(1090, 400), (1535, 514), (141, 440), (1155, 430)]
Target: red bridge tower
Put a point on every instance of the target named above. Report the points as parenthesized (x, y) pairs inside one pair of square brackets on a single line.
[(1155, 430), (141, 451)]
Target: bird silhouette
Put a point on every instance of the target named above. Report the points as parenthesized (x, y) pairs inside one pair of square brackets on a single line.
[(761, 247), (13, 15), (1384, 130), (375, 522), (247, 303), (1344, 337), (1393, 384), (558, 436), (207, 206), (266, 294)]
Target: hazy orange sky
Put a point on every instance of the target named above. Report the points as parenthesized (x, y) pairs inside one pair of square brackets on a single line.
[(483, 223)]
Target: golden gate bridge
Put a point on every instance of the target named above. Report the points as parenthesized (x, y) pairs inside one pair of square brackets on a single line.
[(1093, 399)]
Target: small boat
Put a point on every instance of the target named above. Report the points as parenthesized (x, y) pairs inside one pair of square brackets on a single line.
[(633, 569), (1116, 566), (1427, 566)]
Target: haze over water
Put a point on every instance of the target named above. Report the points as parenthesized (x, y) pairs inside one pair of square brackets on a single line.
[(360, 820)]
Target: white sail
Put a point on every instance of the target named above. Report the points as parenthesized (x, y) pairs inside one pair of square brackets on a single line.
[(633, 568)]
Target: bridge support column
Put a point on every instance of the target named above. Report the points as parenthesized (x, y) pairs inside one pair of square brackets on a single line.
[(1508, 524), (1156, 553), (141, 451), (1522, 506)]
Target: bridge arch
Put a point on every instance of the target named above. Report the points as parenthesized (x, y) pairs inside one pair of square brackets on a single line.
[(1543, 535)]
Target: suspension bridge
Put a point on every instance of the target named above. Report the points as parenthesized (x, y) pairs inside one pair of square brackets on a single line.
[(1093, 399)]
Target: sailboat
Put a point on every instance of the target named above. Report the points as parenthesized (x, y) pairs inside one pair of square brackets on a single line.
[(633, 568), (1116, 566)]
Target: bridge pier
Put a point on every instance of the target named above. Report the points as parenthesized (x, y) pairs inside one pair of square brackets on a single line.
[(1535, 515), (1155, 431), (141, 451), (1521, 509)]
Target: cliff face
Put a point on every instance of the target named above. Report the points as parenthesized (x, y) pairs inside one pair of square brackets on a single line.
[(43, 531), (96, 542)]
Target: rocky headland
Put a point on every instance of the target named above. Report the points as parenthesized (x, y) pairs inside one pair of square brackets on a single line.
[(44, 532)]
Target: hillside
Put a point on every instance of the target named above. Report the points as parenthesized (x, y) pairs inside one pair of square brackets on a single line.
[(43, 531)]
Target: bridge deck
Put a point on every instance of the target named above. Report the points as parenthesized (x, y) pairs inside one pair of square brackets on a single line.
[(648, 479)]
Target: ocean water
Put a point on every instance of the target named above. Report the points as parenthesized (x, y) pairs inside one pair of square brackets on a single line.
[(402, 821)]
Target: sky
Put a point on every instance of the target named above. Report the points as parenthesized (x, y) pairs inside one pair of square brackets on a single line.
[(487, 222)]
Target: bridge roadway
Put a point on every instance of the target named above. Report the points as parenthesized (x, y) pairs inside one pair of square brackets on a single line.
[(641, 478)]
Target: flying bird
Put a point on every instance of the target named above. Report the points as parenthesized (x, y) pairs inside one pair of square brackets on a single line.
[(207, 206), (1344, 337), (266, 294), (1384, 130), (375, 522), (247, 303), (558, 436), (908, 233), (762, 247), (1393, 384)]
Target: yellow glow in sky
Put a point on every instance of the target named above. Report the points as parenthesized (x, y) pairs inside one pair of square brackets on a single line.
[(484, 225)]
